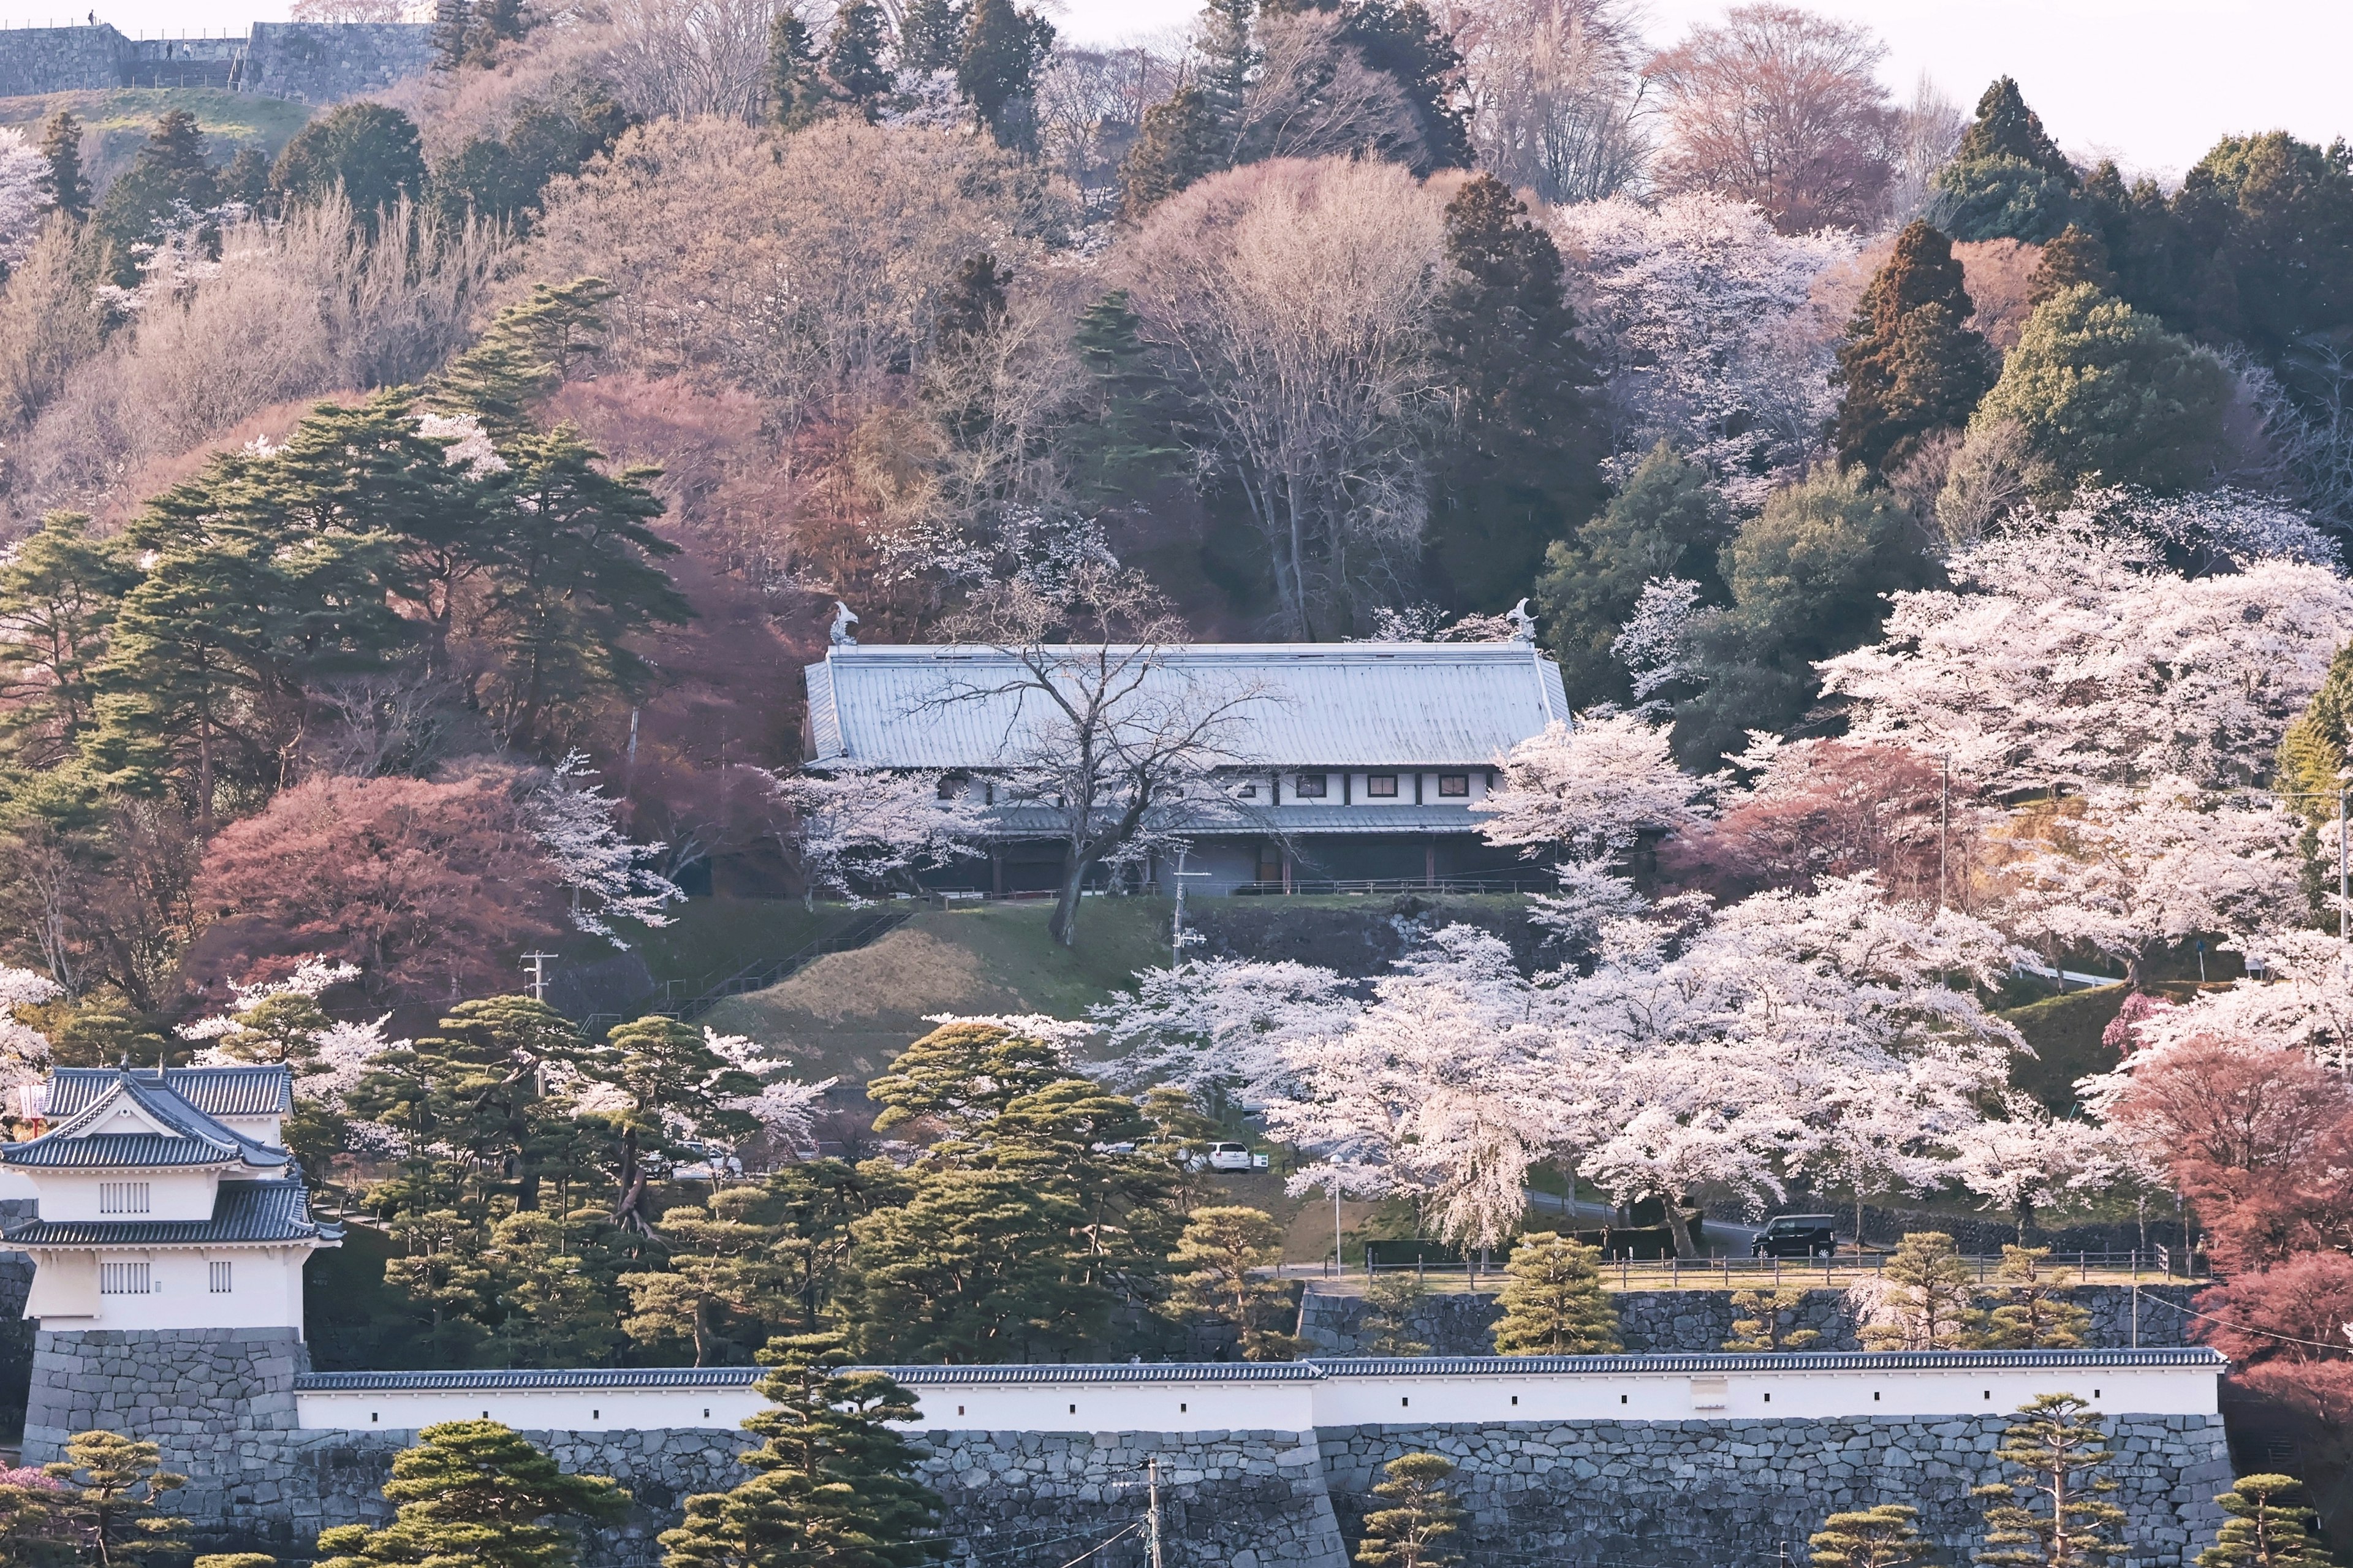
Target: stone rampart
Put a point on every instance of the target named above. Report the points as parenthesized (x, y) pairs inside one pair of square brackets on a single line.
[(1676, 1493), (1658, 1322), (304, 62)]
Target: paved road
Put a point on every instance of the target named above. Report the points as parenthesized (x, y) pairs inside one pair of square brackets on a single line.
[(1721, 1236)]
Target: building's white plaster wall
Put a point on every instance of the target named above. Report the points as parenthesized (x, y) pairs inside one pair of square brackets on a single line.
[(265, 1289)]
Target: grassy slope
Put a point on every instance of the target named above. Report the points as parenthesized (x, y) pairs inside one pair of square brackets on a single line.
[(849, 1013), (711, 939), (2064, 1031), (122, 117)]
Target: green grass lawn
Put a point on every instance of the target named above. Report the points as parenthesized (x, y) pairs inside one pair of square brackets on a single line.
[(2064, 1031), (122, 116), (848, 1014)]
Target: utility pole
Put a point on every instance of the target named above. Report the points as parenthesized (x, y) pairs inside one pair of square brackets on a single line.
[(1944, 826), (1176, 931), (2343, 906), (537, 963), (1151, 1517)]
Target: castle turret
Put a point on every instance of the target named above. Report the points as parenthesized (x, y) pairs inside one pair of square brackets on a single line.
[(168, 1251)]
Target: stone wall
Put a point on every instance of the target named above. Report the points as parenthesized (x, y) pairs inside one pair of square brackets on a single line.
[(1674, 1493), (202, 1394), (306, 62), (1629, 1494), (1660, 1321), (330, 62)]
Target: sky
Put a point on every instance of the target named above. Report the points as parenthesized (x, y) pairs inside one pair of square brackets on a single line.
[(2151, 82)]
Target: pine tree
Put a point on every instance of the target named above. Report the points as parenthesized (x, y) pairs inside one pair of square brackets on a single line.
[(246, 180), (2005, 127), (2076, 255), (474, 1492), (2034, 1314), (1910, 365), (960, 1077), (671, 1083), (931, 35), (1418, 1515), (1004, 50), (1522, 464), (853, 55), (1885, 1536), (1133, 439), (370, 154), (557, 1295), (1391, 1300), (1401, 39), (835, 1478), (59, 591), (2051, 1515), (2313, 753), (1553, 1301), (723, 1267), (113, 1490), (1668, 521), (1761, 1330), (1929, 1302), (1180, 141), (170, 175), (1228, 1245), (1227, 42), (526, 352), (796, 94), (2265, 1530), (63, 183)]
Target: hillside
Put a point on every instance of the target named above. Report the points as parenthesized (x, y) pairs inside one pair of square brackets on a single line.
[(120, 118)]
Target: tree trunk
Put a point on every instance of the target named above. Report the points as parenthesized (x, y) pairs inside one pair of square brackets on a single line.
[(1680, 1228), (1064, 924)]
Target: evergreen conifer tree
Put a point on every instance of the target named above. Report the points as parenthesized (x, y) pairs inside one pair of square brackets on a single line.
[(1004, 50), (2265, 1530), (372, 153), (526, 352), (1401, 39), (1885, 1536), (2034, 1314), (2077, 255), (1133, 440), (1929, 1302), (2052, 1513), (1911, 365), (1553, 1301), (668, 1079), (796, 91), (171, 176), (1416, 1515), (1667, 521), (474, 1492), (853, 55), (931, 35), (113, 1489), (1761, 1329), (961, 1076), (835, 1478), (724, 1268), (2312, 754), (2004, 127), (63, 183), (1180, 141), (59, 590), (1226, 1245), (1522, 465)]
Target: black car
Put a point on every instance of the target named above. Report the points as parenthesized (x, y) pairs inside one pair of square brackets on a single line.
[(1795, 1235)]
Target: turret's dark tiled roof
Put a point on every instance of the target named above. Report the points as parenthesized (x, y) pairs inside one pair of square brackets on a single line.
[(242, 1211), (185, 1136), (216, 1091)]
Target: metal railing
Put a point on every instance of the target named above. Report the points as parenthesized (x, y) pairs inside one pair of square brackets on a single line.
[(2154, 1265)]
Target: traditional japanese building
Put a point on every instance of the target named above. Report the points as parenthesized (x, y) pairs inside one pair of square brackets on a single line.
[(1345, 762), (165, 1202)]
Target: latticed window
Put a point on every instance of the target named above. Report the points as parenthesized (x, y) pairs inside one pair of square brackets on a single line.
[(220, 1279), (124, 1279), (122, 1198)]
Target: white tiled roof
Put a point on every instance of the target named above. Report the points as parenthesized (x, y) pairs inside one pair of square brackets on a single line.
[(1335, 705)]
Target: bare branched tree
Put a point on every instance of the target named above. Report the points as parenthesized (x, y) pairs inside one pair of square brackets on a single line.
[(1291, 300), (1557, 93), (693, 57), (1111, 737), (1782, 108), (1314, 97)]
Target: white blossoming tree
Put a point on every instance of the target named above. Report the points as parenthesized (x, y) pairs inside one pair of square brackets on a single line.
[(860, 828), (609, 877), (23, 1050)]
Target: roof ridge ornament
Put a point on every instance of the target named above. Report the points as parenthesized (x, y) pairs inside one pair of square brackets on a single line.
[(844, 617), (1524, 624)]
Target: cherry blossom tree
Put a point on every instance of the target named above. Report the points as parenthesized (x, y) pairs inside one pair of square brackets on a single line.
[(2027, 1159), (867, 827), (1709, 329), (23, 1050), (1588, 795), (2124, 871), (2302, 1000), (1223, 1030), (784, 1109), (2070, 654), (608, 876), (21, 197)]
